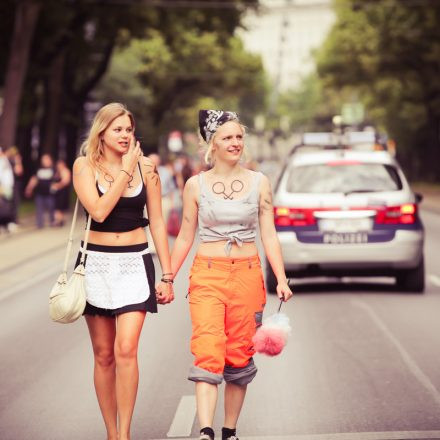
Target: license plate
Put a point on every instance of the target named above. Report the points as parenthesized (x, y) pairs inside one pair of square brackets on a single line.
[(345, 238), (345, 225)]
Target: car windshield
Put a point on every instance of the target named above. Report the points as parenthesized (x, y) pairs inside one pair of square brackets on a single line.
[(345, 177)]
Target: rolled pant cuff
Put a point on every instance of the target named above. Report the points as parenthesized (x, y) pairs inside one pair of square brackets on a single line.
[(197, 374), (240, 375)]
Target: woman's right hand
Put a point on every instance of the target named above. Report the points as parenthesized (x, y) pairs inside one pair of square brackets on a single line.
[(164, 293), (132, 156)]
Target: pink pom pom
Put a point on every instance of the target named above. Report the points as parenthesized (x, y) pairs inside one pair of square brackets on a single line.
[(269, 341)]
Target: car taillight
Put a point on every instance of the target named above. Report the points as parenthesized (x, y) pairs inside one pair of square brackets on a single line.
[(293, 217), (392, 215)]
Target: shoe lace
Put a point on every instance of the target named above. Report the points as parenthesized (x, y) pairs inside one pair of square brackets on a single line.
[(233, 437)]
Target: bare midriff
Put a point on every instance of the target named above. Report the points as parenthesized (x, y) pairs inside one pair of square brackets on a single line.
[(137, 236), (217, 249)]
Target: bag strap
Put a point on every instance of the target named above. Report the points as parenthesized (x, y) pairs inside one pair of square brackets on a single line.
[(86, 235), (86, 240)]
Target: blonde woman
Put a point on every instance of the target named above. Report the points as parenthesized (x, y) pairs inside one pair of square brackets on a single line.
[(114, 181), (226, 292)]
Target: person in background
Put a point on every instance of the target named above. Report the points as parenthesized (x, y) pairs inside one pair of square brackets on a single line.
[(184, 171), (168, 185), (226, 289), (16, 162), (61, 186), (40, 185), (6, 191), (114, 182)]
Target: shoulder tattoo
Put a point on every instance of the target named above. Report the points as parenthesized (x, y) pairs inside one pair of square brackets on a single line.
[(266, 202), (152, 173)]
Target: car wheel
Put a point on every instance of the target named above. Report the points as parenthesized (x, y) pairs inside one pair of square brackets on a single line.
[(412, 280), (271, 281)]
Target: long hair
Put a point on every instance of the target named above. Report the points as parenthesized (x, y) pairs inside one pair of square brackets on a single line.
[(209, 156), (92, 147)]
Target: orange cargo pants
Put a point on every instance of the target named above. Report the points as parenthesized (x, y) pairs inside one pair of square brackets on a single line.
[(226, 297)]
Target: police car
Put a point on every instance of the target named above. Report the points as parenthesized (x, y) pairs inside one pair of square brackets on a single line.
[(343, 207)]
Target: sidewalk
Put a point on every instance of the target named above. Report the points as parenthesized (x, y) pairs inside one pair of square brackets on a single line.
[(29, 253)]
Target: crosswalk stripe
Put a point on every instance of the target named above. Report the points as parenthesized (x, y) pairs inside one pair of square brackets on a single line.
[(434, 279), (183, 421)]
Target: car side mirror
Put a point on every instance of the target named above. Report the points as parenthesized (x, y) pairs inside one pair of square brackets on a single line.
[(419, 197)]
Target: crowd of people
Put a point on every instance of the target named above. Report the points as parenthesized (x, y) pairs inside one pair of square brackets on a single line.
[(50, 187), (11, 174)]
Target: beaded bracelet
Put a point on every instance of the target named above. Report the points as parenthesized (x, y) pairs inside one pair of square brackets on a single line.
[(167, 280)]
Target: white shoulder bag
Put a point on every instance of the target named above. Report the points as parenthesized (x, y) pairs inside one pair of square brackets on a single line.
[(67, 299)]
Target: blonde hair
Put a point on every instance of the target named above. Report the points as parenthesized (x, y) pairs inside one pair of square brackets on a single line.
[(209, 156), (92, 146)]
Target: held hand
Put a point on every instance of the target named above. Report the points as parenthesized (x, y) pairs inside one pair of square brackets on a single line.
[(283, 291), (132, 156), (164, 293)]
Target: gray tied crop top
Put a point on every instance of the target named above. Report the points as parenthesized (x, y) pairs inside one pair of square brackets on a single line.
[(232, 220)]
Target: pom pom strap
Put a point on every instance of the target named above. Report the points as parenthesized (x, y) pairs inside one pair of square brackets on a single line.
[(271, 337)]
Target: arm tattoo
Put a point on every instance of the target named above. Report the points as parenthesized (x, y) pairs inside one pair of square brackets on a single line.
[(154, 175), (267, 202)]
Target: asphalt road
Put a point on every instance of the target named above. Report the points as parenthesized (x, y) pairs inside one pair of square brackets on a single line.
[(362, 363)]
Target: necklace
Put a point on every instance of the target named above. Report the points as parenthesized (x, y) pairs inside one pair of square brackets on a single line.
[(110, 179)]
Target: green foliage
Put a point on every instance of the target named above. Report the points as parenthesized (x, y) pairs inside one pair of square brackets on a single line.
[(389, 52), (165, 77), (162, 60)]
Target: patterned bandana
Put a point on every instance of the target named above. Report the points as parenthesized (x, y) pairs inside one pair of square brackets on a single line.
[(211, 120)]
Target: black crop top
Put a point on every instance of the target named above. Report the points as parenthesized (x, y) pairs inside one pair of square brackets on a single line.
[(127, 215)]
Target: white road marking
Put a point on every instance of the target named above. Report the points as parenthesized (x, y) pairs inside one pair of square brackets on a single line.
[(434, 279), (406, 357), (391, 435), (183, 421)]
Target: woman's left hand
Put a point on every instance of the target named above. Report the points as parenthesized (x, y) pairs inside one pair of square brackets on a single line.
[(283, 291), (164, 293)]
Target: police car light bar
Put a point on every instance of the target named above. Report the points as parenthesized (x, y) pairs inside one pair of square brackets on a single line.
[(319, 138), (360, 137)]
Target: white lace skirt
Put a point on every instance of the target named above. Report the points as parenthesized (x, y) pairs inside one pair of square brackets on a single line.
[(119, 279)]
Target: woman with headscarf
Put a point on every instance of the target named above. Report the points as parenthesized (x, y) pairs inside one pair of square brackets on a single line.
[(226, 292)]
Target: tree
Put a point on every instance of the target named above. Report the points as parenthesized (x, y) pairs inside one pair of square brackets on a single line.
[(389, 51), (162, 76), (72, 47), (73, 44), (26, 16)]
